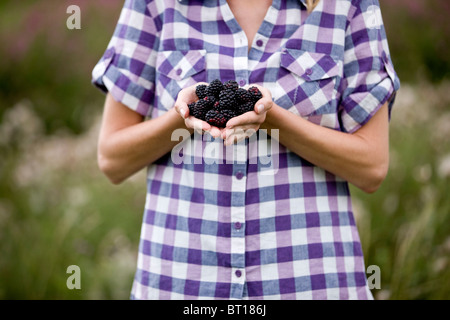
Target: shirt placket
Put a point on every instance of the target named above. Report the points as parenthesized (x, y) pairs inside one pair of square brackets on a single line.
[(239, 178), (237, 225)]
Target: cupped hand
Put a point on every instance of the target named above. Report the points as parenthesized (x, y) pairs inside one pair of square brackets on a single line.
[(185, 97), (245, 125)]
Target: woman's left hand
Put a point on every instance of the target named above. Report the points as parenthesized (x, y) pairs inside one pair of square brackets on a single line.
[(245, 125)]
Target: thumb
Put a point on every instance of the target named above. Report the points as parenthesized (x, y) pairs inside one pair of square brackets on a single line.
[(263, 105)]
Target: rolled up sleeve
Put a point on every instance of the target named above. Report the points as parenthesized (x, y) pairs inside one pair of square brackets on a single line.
[(369, 76), (127, 68)]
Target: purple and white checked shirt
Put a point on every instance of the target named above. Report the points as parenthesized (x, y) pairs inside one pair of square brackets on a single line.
[(251, 221)]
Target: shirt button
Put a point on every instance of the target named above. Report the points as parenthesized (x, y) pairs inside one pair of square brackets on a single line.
[(239, 175), (308, 71), (242, 82), (179, 71), (238, 273), (259, 43), (238, 225), (109, 53)]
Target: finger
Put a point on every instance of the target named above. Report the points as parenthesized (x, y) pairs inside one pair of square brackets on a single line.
[(263, 105), (216, 132), (180, 107), (184, 111), (244, 119), (235, 138), (247, 130), (230, 140), (237, 135), (197, 124), (251, 127), (184, 97)]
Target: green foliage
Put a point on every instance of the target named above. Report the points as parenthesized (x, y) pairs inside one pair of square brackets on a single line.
[(405, 225), (50, 64), (57, 210), (418, 33)]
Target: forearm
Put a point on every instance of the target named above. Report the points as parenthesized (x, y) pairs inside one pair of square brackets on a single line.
[(128, 150), (360, 160)]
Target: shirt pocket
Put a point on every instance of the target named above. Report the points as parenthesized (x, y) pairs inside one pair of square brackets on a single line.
[(177, 70), (309, 82)]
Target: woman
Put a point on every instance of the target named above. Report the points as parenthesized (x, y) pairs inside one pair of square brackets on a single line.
[(233, 229)]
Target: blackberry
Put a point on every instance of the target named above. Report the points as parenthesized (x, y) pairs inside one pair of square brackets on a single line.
[(227, 99), (228, 114), (255, 93), (221, 105), (200, 91), (231, 84), (216, 118), (201, 108), (243, 96), (219, 102), (245, 107), (214, 88), (191, 107), (209, 101)]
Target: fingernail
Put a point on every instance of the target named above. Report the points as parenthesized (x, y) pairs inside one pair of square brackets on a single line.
[(260, 108), (183, 113)]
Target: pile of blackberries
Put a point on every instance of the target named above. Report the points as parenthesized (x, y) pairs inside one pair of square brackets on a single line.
[(219, 102)]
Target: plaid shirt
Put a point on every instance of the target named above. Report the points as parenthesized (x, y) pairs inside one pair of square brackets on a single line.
[(253, 220)]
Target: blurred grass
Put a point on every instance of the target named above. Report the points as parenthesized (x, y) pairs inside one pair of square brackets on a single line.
[(405, 225), (56, 209)]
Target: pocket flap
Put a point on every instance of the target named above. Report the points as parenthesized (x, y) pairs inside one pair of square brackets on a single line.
[(310, 66), (180, 65)]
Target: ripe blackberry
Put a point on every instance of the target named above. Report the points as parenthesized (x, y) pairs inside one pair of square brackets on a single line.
[(243, 96), (200, 91), (227, 99), (214, 88), (231, 84), (209, 101), (255, 93), (201, 108), (216, 118), (221, 105), (191, 107), (245, 107), (219, 102), (228, 114)]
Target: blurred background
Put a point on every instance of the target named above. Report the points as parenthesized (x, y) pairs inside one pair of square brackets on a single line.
[(57, 209)]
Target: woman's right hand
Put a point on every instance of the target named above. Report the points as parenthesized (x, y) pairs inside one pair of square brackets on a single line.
[(185, 97)]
